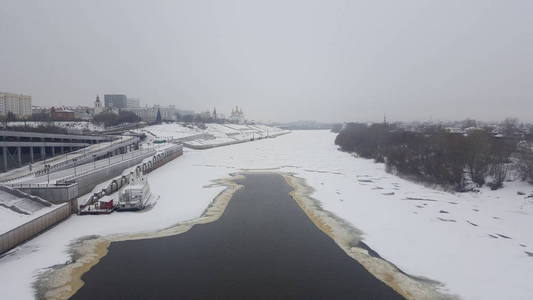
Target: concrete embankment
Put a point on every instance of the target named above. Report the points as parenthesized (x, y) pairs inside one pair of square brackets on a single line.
[(29, 230), (81, 185), (39, 213)]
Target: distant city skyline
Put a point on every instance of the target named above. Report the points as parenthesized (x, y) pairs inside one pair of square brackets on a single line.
[(329, 61)]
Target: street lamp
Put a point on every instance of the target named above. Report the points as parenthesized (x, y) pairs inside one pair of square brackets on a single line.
[(47, 169), (75, 165), (94, 161), (44, 152)]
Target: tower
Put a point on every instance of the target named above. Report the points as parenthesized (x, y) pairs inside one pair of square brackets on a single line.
[(98, 108)]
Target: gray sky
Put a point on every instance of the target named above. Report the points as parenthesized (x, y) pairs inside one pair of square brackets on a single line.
[(279, 60)]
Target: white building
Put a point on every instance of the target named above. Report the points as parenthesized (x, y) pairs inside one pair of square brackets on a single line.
[(237, 116), (98, 107), (20, 105), (149, 114)]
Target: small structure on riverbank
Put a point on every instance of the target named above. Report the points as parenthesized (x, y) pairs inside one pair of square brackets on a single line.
[(134, 196)]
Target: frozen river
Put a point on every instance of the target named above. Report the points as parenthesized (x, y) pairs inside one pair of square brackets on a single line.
[(263, 247), (455, 239)]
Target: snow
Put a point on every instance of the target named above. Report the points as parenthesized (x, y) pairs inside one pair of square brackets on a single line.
[(12, 218), (172, 130), (213, 135), (474, 243), (75, 125)]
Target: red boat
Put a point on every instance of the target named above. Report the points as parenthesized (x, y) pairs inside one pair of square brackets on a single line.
[(98, 208)]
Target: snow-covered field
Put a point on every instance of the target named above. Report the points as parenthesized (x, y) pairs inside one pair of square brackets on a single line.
[(213, 135), (476, 244), (171, 130)]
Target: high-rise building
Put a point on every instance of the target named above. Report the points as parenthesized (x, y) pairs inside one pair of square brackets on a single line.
[(115, 101), (20, 105), (133, 102)]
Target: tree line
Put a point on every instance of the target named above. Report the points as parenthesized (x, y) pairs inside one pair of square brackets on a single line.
[(461, 161), (111, 119)]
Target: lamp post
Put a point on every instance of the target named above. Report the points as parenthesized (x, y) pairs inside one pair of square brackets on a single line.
[(75, 165), (47, 169), (44, 152), (94, 161)]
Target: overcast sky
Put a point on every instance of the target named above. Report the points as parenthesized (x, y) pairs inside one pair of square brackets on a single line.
[(279, 60)]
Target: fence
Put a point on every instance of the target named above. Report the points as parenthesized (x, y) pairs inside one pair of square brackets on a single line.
[(87, 157), (161, 158)]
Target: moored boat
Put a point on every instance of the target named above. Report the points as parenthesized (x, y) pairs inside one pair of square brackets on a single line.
[(134, 196)]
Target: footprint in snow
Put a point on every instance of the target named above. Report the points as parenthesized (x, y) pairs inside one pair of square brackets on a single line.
[(475, 209), (473, 224), (388, 194), (419, 199), (447, 220), (496, 218), (528, 253), (493, 236), (522, 245), (503, 236), (443, 212), (364, 180), (377, 188)]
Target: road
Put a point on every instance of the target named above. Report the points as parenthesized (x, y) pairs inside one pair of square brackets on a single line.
[(58, 175)]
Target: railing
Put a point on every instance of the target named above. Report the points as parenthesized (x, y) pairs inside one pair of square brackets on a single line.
[(73, 177), (30, 185), (87, 157)]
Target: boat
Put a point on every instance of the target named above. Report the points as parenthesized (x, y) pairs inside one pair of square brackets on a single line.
[(97, 208), (134, 196)]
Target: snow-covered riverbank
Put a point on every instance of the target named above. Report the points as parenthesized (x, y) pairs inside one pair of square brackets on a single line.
[(477, 245)]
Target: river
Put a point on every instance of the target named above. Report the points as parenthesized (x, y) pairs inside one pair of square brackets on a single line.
[(262, 247)]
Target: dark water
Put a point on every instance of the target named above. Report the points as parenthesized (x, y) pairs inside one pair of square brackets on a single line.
[(263, 247)]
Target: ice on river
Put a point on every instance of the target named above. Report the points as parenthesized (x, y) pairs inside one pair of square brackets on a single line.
[(478, 245)]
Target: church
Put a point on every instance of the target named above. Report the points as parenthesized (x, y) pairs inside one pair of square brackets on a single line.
[(237, 116)]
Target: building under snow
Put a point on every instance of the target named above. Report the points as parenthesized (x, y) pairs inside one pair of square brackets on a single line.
[(19, 105)]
